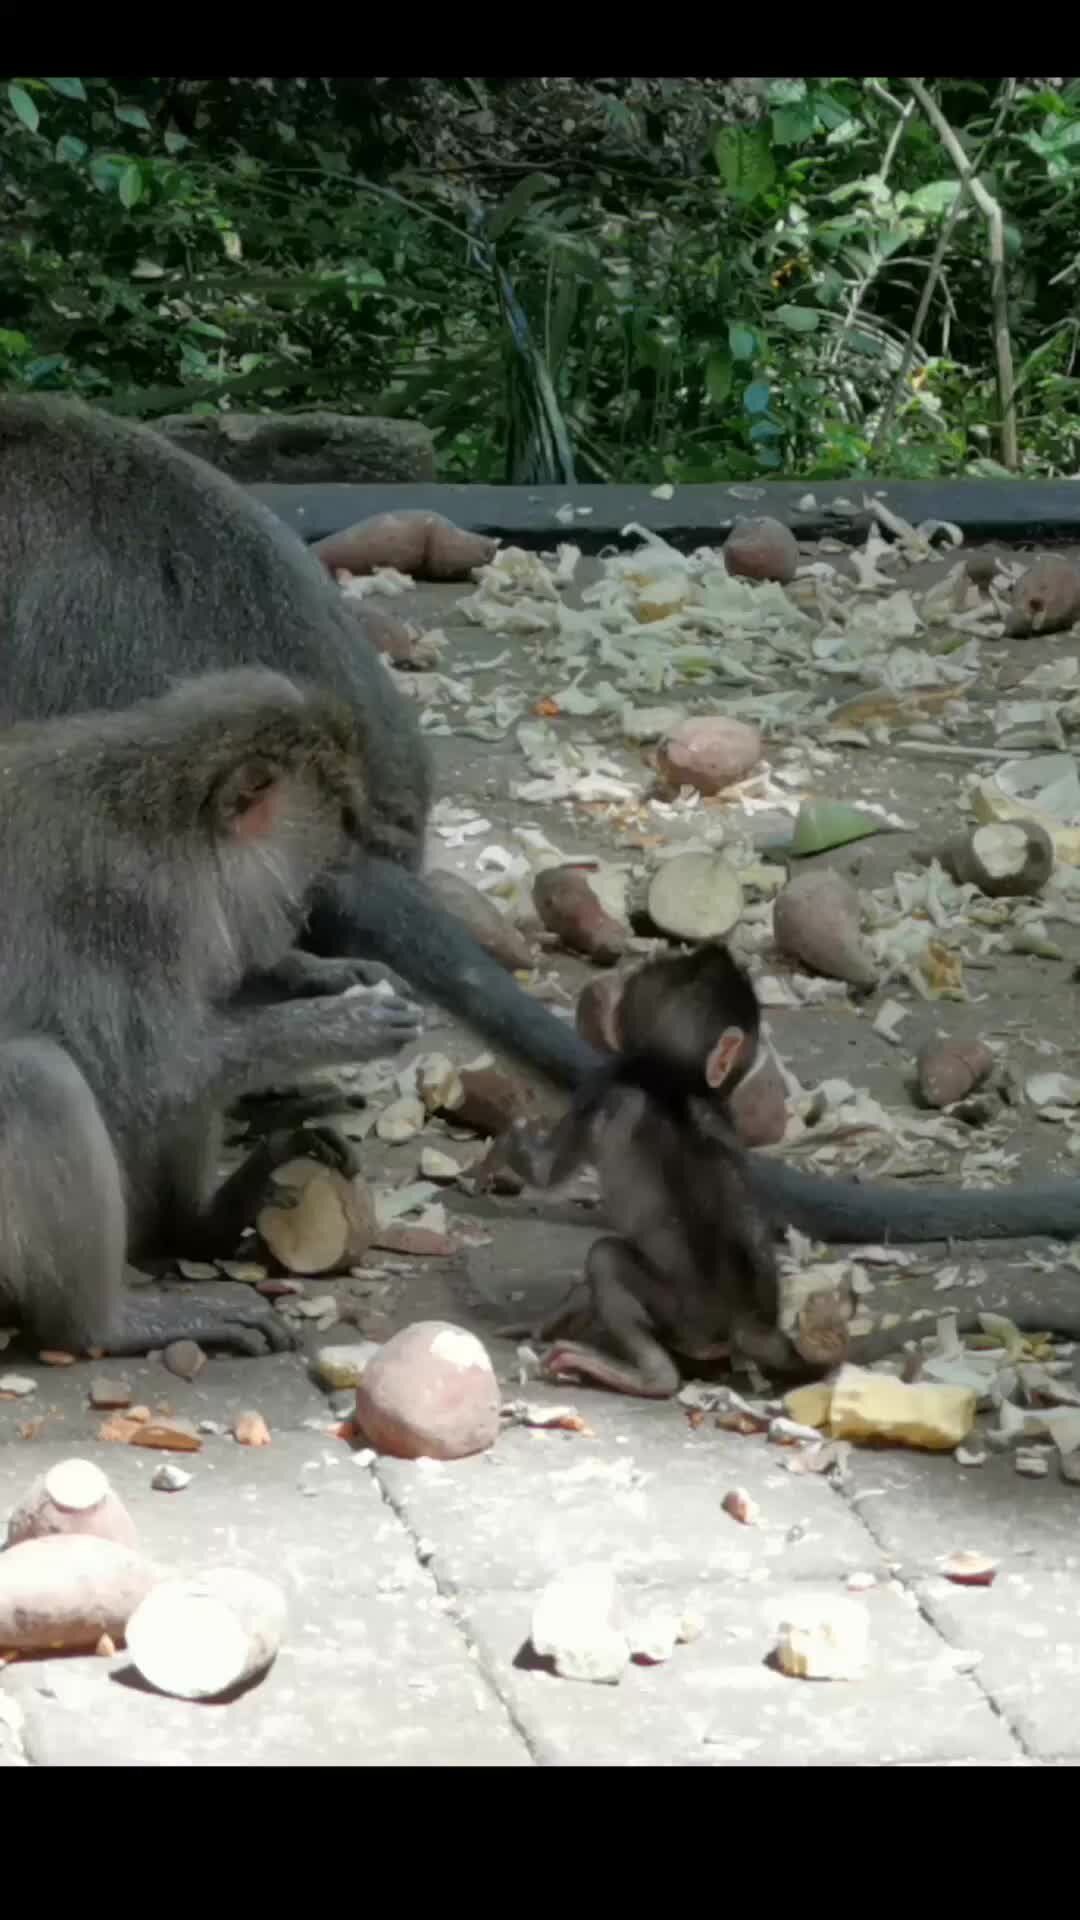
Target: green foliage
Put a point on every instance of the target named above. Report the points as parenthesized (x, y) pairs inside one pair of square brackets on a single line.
[(633, 279)]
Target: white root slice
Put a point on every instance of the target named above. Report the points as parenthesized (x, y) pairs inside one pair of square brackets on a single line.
[(196, 1638), (825, 1637), (1003, 857), (329, 1227), (696, 896), (1001, 849), (74, 1496), (76, 1485)]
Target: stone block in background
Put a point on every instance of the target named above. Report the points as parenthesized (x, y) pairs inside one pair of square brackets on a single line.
[(305, 448)]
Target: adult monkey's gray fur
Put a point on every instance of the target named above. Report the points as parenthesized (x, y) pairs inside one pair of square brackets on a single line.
[(154, 863), (126, 564)]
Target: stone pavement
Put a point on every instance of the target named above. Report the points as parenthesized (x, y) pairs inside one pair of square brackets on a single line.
[(410, 1588)]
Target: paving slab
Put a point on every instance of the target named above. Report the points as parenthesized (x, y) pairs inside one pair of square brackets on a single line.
[(1026, 1631), (920, 1508), (643, 1493), (372, 1672), (718, 1703), (383, 1681)]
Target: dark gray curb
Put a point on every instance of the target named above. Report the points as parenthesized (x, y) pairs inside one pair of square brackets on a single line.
[(1017, 510)]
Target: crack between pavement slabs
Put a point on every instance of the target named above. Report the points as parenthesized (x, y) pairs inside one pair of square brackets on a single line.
[(425, 1559), (853, 1500)]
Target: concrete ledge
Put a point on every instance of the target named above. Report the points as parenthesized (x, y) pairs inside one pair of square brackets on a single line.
[(1021, 510)]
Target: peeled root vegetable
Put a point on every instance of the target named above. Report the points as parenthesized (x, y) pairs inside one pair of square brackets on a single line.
[(329, 1227), (62, 1593), (816, 920), (198, 1638), (696, 896), (429, 1393), (570, 909), (1003, 859), (825, 1637), (424, 545), (74, 1497)]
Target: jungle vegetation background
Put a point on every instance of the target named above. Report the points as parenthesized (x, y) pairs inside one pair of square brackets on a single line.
[(613, 279)]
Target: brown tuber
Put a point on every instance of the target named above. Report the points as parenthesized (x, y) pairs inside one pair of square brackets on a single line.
[(1045, 599), (489, 928), (484, 1100), (816, 920), (821, 1333), (72, 1497), (60, 1594), (429, 1393), (1003, 859), (761, 549), (570, 909), (199, 1638), (425, 545), (948, 1070), (709, 753)]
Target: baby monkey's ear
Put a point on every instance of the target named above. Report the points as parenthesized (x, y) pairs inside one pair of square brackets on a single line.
[(727, 1057)]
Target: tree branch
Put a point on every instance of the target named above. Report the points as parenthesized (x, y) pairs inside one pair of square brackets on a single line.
[(991, 212)]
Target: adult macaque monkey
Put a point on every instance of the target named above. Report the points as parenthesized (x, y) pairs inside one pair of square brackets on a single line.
[(126, 564), (152, 862), (691, 1267)]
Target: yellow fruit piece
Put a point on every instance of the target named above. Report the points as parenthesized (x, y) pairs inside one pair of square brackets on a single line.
[(876, 1406), (809, 1405)]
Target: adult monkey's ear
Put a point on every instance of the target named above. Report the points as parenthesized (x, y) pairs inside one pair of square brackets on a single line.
[(598, 1012), (244, 803)]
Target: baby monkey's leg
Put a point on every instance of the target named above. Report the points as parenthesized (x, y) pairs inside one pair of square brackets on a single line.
[(625, 1298)]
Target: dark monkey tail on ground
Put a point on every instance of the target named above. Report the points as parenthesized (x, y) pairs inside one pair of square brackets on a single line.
[(126, 565)]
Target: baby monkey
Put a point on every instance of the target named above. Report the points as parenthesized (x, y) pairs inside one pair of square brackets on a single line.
[(691, 1267)]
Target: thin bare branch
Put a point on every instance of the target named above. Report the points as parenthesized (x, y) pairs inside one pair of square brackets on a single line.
[(862, 287), (991, 212)]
